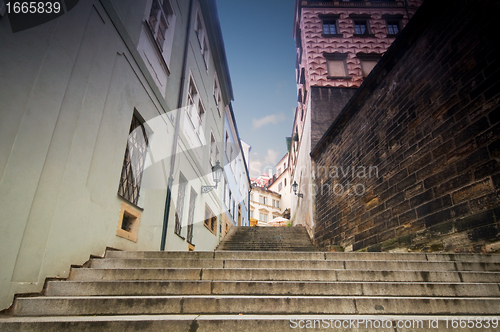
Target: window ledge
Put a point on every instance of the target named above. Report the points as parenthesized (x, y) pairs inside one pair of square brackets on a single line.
[(129, 202), (338, 35), (183, 238), (211, 231), (364, 35), (339, 77)]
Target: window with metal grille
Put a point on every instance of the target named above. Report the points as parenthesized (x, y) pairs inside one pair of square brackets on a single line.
[(133, 162), (361, 27), (393, 27), (158, 20), (330, 27)]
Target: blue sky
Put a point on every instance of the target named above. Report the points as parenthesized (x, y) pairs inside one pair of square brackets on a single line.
[(261, 55)]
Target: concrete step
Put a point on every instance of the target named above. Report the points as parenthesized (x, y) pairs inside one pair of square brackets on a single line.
[(86, 274), (113, 263), (200, 287), (267, 239), (246, 323), (213, 304), (293, 264), (351, 256)]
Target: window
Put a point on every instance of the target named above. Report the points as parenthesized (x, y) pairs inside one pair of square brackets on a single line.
[(226, 191), (133, 162), (199, 29), (210, 220), (263, 217), (285, 182), (367, 66), (361, 27), (213, 150), (368, 62), (158, 20), (330, 27), (392, 27), (192, 93), (180, 204), (278, 204), (336, 65), (218, 97), (202, 38), (227, 146), (195, 110), (280, 186), (128, 224), (192, 200), (201, 115)]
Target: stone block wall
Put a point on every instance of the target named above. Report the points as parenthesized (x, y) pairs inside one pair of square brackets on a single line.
[(327, 104), (423, 137)]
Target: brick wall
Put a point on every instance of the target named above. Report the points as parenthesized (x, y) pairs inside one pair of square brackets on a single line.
[(327, 104), (427, 118)]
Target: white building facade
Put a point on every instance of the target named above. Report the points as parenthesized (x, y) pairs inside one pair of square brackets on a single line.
[(281, 185), (236, 180), (108, 113)]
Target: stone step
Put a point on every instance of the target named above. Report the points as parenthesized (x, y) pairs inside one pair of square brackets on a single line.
[(293, 264), (86, 274), (485, 258), (213, 304), (267, 244), (247, 323), (200, 287)]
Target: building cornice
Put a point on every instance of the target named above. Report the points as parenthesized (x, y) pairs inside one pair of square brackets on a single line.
[(352, 4)]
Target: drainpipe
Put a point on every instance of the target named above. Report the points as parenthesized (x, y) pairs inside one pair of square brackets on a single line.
[(168, 200), (248, 204)]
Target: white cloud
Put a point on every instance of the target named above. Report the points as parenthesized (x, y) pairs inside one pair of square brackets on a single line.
[(270, 119), (263, 164)]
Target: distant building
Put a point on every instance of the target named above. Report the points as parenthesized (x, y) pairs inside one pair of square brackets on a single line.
[(281, 185), (338, 43), (264, 204), (264, 180), (236, 182)]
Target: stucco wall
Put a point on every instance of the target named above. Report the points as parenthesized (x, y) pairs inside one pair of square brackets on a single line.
[(68, 92)]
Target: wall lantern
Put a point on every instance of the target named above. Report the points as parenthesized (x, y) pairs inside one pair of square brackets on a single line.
[(217, 175), (294, 187)]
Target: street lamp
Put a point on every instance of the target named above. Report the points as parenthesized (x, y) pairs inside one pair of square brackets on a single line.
[(294, 187), (217, 175)]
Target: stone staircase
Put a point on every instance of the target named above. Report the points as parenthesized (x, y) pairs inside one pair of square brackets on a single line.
[(266, 291), (267, 239)]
